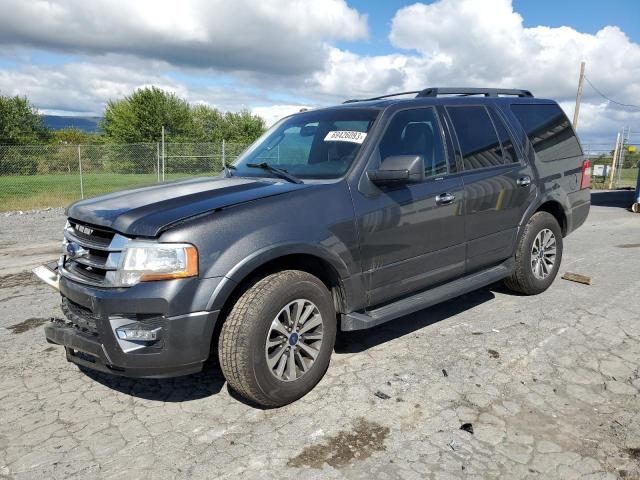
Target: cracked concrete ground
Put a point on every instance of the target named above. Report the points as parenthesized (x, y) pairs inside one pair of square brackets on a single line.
[(550, 385)]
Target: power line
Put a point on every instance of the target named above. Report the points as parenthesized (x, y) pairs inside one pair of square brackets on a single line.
[(607, 98)]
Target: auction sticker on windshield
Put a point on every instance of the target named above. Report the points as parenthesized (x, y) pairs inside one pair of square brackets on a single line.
[(345, 136)]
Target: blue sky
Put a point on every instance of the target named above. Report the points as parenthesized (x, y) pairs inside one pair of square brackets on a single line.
[(275, 56), (586, 16)]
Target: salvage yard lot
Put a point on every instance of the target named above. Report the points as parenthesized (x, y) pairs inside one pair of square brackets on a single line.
[(550, 385)]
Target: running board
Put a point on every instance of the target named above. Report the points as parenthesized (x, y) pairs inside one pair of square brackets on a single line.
[(361, 321)]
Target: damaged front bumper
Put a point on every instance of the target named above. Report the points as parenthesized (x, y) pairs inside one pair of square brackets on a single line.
[(151, 330)]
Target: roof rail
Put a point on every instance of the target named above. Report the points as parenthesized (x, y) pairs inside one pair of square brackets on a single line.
[(354, 100), (487, 92), (434, 92)]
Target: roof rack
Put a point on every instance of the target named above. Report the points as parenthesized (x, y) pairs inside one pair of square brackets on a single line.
[(487, 92), (354, 100), (434, 92)]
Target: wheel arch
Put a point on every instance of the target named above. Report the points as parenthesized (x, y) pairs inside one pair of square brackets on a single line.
[(556, 209), (329, 268)]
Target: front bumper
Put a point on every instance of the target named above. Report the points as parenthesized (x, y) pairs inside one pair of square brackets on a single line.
[(178, 308)]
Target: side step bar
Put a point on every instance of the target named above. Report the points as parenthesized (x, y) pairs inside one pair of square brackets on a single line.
[(361, 321)]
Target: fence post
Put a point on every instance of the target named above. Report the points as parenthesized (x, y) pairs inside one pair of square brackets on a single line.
[(80, 170), (158, 160), (224, 155), (163, 154)]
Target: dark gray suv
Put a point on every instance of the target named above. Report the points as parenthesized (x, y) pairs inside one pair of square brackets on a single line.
[(338, 218)]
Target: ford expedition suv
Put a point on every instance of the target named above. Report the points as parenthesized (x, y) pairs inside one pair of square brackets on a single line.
[(337, 218)]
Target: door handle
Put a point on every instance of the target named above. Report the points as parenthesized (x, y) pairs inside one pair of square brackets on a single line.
[(524, 181), (445, 198)]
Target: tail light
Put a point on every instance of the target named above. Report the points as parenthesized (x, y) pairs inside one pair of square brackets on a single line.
[(586, 175)]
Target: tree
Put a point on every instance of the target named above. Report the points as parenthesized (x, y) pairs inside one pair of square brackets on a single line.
[(75, 136), (20, 122), (207, 124), (242, 127), (140, 117)]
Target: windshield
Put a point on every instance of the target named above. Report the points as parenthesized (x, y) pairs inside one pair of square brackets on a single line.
[(318, 144)]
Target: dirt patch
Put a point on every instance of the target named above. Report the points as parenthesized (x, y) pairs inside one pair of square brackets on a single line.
[(629, 245), (28, 324), (339, 450), (21, 279)]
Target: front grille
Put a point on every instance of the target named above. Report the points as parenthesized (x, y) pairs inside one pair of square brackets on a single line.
[(80, 317), (99, 254)]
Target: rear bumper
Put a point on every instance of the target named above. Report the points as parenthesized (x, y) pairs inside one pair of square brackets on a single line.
[(177, 308), (580, 202)]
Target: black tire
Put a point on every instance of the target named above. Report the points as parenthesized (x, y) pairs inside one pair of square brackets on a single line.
[(523, 279), (241, 346)]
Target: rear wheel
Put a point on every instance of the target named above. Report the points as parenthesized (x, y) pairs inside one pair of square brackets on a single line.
[(538, 255), (276, 342)]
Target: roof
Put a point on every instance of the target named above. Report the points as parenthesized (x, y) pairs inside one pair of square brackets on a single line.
[(431, 96)]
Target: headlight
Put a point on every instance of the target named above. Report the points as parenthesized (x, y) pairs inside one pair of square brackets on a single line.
[(149, 261)]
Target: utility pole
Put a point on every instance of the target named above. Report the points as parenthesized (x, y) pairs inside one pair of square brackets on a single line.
[(576, 111), (616, 152)]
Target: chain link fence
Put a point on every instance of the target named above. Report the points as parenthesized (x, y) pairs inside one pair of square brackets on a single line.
[(627, 163), (41, 176)]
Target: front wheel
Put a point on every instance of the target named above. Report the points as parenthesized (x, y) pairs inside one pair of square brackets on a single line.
[(276, 342), (538, 255)]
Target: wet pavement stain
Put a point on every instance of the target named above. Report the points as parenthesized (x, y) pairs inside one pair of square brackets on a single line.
[(21, 279), (28, 324), (629, 245), (633, 453), (341, 449)]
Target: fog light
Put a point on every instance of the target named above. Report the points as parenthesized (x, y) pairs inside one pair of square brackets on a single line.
[(134, 333)]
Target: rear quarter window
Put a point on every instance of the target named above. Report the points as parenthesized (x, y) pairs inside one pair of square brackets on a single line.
[(548, 130)]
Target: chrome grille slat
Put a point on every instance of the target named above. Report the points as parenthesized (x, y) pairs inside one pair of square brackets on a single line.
[(96, 262), (105, 247)]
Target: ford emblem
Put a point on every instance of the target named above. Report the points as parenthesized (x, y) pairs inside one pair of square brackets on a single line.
[(73, 250)]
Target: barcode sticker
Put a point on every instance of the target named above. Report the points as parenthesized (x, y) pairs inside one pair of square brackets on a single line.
[(345, 136)]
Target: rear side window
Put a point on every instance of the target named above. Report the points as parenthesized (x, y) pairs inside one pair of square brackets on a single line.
[(549, 131), (508, 150), (477, 137)]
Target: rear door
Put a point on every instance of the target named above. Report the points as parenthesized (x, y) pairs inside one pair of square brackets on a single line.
[(498, 183), (412, 235)]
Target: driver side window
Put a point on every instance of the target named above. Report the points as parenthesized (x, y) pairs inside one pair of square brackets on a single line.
[(416, 132)]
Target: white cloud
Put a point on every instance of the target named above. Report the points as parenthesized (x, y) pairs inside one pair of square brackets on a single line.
[(484, 43), (273, 113), (278, 36), (280, 56), (81, 87)]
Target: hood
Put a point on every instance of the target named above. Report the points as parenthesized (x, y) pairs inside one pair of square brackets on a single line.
[(150, 210)]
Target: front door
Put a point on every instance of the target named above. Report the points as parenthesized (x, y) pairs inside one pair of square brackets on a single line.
[(497, 184), (412, 235)]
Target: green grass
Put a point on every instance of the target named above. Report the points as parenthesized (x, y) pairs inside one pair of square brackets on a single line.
[(627, 179), (40, 191)]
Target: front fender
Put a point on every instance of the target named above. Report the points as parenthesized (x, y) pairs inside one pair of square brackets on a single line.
[(255, 260)]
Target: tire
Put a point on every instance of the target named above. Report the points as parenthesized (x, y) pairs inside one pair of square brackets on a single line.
[(530, 276), (242, 346)]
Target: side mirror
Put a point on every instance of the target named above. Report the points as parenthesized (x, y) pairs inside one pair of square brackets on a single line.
[(399, 169)]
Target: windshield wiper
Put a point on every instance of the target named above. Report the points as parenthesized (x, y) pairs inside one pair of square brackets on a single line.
[(276, 171)]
